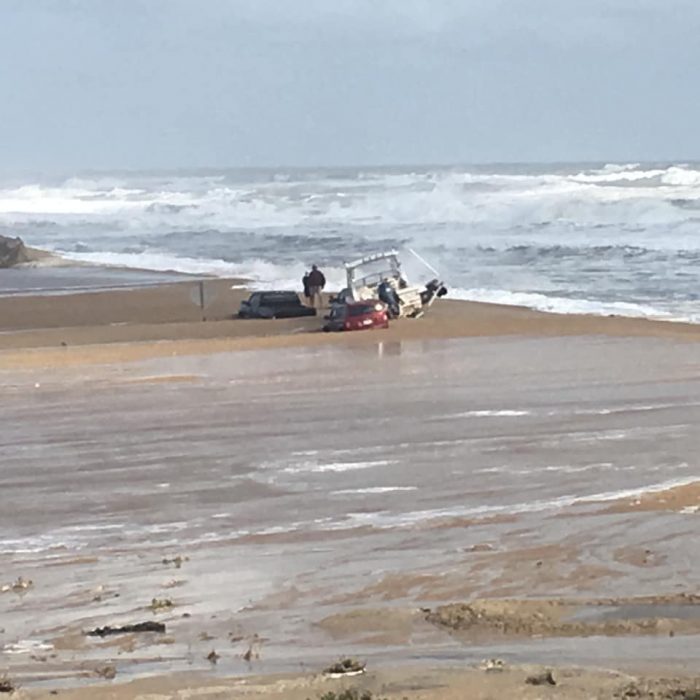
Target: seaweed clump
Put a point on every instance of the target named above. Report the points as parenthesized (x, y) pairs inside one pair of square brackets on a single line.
[(346, 666), (349, 694), (7, 685)]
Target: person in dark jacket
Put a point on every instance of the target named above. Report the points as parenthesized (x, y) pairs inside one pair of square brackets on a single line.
[(388, 295), (317, 282), (305, 282)]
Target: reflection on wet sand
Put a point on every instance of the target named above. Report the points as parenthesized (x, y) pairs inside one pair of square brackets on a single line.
[(301, 486)]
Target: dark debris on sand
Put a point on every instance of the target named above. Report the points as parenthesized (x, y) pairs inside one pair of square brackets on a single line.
[(109, 671), (349, 694), (663, 689), (543, 678), (161, 604), (346, 666), (148, 626), (177, 561)]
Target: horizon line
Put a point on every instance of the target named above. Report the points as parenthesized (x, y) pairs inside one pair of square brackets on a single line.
[(348, 166)]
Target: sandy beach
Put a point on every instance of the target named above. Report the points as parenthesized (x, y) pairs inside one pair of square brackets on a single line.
[(125, 324), (485, 483)]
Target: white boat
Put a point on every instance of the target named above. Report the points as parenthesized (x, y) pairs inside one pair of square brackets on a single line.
[(380, 276)]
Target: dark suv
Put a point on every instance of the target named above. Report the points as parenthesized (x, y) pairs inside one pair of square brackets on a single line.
[(274, 305)]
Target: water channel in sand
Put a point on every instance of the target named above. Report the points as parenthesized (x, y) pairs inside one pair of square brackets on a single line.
[(303, 482)]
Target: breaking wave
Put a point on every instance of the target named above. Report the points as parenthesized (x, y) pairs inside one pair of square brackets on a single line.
[(261, 273), (606, 196), (562, 305)]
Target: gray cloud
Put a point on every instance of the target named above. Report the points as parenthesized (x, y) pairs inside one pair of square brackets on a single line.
[(98, 83)]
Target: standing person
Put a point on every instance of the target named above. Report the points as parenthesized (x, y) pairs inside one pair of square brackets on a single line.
[(307, 290), (388, 295), (317, 282)]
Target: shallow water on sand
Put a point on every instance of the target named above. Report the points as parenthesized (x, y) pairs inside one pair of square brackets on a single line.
[(64, 278), (301, 481)]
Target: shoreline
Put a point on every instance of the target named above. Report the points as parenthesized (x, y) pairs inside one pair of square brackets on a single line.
[(121, 325), (62, 277)]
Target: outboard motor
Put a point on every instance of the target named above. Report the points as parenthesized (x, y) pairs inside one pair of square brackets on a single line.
[(432, 289)]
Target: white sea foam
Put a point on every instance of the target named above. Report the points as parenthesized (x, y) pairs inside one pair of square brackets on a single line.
[(406, 199), (27, 646), (166, 527), (91, 527), (409, 519), (262, 274), (485, 413), (374, 490), (387, 519), (603, 411), (640, 490), (321, 467), (561, 305), (41, 543), (632, 408), (553, 468)]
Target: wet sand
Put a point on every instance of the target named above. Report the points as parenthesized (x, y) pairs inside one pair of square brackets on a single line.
[(484, 681), (121, 325), (337, 494), (56, 276)]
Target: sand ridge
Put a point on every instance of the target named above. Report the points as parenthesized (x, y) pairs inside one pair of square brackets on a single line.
[(492, 678), (684, 498)]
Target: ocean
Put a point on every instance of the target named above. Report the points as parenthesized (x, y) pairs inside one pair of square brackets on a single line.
[(579, 238)]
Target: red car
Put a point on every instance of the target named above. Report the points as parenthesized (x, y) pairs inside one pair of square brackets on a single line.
[(357, 316)]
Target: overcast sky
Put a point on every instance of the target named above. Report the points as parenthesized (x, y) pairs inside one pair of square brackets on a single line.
[(169, 83)]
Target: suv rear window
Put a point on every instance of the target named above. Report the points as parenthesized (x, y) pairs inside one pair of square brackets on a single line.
[(279, 299)]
